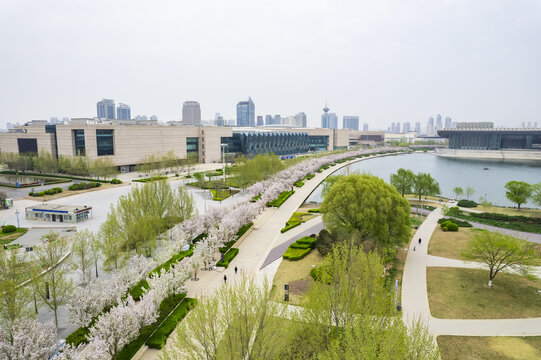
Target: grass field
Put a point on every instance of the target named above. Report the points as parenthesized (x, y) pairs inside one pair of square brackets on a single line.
[(451, 244), (7, 238), (297, 275), (511, 211), (457, 293), (493, 347)]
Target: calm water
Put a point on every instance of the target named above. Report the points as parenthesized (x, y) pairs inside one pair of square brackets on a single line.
[(450, 173)]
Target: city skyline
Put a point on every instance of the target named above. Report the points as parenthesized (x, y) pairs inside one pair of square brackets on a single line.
[(497, 67)]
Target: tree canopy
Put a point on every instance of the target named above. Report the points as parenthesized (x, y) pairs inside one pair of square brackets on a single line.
[(403, 181), (499, 251), (425, 185), (369, 209), (518, 192)]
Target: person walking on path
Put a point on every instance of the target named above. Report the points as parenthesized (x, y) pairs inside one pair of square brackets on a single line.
[(236, 269), (225, 278), (419, 241)]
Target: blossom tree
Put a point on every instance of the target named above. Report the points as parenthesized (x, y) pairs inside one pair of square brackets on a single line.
[(32, 340)]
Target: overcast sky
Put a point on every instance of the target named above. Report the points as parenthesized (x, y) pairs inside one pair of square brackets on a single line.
[(382, 60)]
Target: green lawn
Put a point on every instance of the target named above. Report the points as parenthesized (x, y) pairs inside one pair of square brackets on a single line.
[(493, 347), (457, 293), (7, 238)]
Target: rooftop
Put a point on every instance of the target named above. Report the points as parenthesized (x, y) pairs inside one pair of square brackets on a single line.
[(59, 208)]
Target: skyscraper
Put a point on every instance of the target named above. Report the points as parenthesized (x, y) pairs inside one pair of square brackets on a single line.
[(350, 122), (246, 113), (260, 120), (418, 127), (191, 113), (325, 117), (439, 124), (268, 119), (430, 131), (219, 120), (277, 120), (365, 127), (106, 109), (448, 122), (123, 112), (300, 119), (406, 128), (154, 117)]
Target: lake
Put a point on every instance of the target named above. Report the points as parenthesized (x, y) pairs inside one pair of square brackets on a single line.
[(450, 173)]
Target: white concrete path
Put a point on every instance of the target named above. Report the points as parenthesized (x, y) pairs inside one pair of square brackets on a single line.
[(415, 296)]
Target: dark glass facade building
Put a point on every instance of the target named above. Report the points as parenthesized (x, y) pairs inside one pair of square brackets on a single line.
[(492, 138), (251, 143), (105, 142)]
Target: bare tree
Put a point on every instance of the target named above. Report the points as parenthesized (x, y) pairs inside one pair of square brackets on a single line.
[(82, 252)]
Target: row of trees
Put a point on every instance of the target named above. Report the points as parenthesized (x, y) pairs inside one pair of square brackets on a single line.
[(468, 192), (45, 163), (421, 184), (347, 314), (155, 164), (250, 171)]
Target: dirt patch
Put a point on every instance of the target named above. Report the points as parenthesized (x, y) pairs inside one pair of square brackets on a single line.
[(299, 287)]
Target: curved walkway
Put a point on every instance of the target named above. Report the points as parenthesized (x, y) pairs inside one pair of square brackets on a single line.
[(415, 295)]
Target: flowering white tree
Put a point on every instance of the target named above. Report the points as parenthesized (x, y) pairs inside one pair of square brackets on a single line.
[(32, 340), (117, 327), (86, 302)]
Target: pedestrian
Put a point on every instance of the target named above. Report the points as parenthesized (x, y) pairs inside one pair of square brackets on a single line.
[(236, 269), (413, 250), (419, 241), (225, 278)]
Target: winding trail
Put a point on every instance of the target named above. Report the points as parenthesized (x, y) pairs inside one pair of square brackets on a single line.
[(415, 296)]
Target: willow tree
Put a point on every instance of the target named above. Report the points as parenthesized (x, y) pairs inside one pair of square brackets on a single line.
[(368, 209)]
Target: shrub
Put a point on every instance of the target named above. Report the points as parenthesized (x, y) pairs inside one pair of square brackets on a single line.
[(31, 193), (117, 181), (460, 223), (199, 237), (83, 186), (280, 199), (290, 225), (297, 245), (159, 338), (41, 193), (9, 229), (310, 240), (228, 257), (310, 176), (452, 226), (299, 183), (296, 254), (255, 198), (314, 210), (467, 203), (78, 336)]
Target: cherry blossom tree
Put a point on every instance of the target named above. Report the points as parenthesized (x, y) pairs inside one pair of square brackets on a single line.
[(32, 340)]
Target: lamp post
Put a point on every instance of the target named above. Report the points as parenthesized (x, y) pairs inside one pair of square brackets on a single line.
[(17, 213), (223, 157)]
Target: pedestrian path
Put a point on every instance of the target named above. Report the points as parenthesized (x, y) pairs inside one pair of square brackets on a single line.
[(415, 296)]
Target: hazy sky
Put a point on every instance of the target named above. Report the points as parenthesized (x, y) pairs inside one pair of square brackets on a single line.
[(382, 60)]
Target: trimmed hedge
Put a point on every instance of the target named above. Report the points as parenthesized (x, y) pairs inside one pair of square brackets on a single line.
[(310, 240), (52, 176), (296, 254), (150, 179), (290, 225), (199, 237), (467, 203), (116, 181), (314, 211), (159, 338), (83, 186), (449, 226), (228, 257), (52, 191), (280, 199), (300, 246), (255, 198), (7, 229), (299, 183), (310, 176), (167, 306), (460, 223), (241, 232), (518, 223)]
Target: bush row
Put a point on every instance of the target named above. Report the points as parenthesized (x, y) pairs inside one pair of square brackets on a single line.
[(467, 203), (314, 210), (460, 223), (449, 226), (30, 173), (150, 179), (518, 223), (166, 307), (83, 186), (228, 257), (300, 248), (115, 181), (52, 191), (290, 225), (159, 338), (299, 183), (280, 199), (310, 176)]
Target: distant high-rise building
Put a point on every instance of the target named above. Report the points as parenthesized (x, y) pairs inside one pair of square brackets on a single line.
[(365, 127), (268, 119), (219, 120), (277, 120), (350, 122), (191, 113), (535, 124), (54, 120), (529, 124), (260, 120), (448, 122), (154, 117), (141, 117), (325, 118), (430, 131), (333, 121), (406, 128), (439, 124), (523, 124), (123, 112), (106, 109), (300, 119), (246, 113), (417, 127)]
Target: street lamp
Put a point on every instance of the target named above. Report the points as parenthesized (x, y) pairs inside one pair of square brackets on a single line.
[(223, 157), (17, 213)]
